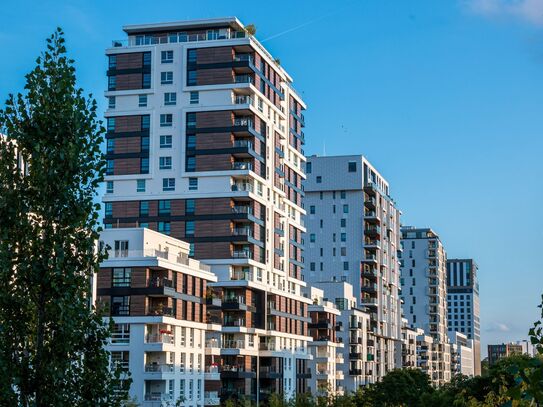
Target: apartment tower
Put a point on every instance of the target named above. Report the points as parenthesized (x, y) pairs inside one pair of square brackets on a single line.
[(424, 292), (204, 143), (155, 294), (463, 304), (353, 235)]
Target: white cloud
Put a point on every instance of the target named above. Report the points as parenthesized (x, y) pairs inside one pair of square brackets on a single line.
[(530, 11), (498, 327)]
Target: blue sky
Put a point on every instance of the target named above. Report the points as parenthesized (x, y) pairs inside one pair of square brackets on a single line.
[(444, 97)]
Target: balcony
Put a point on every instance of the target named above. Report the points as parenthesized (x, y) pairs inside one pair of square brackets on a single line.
[(323, 324), (243, 100), (270, 372), (369, 272), (159, 368), (370, 202), (158, 397), (243, 79), (370, 230), (172, 38), (369, 301), (159, 310), (242, 187), (237, 372), (211, 398), (160, 282), (234, 322), (242, 254), (355, 355), (356, 372), (212, 373), (242, 166), (369, 288), (369, 258)]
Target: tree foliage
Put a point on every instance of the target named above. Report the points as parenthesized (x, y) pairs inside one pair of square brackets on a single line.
[(51, 339)]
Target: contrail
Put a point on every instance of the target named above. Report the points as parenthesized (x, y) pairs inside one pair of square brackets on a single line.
[(314, 20)]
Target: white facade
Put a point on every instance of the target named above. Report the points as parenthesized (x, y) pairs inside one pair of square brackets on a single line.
[(424, 292), (353, 236), (462, 355), (165, 355)]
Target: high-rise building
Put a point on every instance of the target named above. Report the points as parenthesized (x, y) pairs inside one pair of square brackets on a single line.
[(326, 379), (357, 361), (497, 352), (204, 143), (424, 291), (353, 235), (463, 304), (461, 355), (156, 296), (408, 353)]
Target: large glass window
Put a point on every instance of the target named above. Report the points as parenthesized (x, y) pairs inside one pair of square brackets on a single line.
[(120, 305), (121, 277), (164, 207)]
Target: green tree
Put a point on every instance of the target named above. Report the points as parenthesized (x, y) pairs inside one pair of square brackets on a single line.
[(51, 338)]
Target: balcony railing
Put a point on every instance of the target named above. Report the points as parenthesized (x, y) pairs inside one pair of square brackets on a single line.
[(158, 282), (242, 254), (143, 40), (242, 187), (242, 165), (243, 79), (242, 232), (158, 397), (243, 143), (243, 58), (160, 338), (160, 310), (243, 100), (159, 368), (243, 121)]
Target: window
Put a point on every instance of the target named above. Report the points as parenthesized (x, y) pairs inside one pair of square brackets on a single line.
[(140, 185), (345, 265), (166, 78), (308, 168), (312, 209), (343, 251), (146, 81), (352, 166), (190, 206), (166, 141), (193, 184), (165, 163), (120, 305), (110, 145), (109, 187), (110, 167), (110, 124), (312, 238), (112, 61), (166, 120), (144, 166), (345, 208), (145, 122), (111, 102), (120, 333), (164, 207), (319, 179), (194, 98), (111, 83), (191, 141), (142, 101), (192, 79), (121, 277), (121, 248), (168, 184), (312, 266), (170, 98), (189, 228), (144, 208), (166, 57), (191, 250), (120, 359), (109, 209), (342, 194), (192, 56), (164, 227), (191, 120), (343, 237), (146, 59), (321, 223), (144, 143), (191, 164), (343, 223)]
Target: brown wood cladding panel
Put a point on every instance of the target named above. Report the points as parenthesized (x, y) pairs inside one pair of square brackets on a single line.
[(129, 81), (126, 209), (139, 278), (212, 250), (178, 207), (210, 228), (127, 123), (218, 162), (214, 55), (212, 385), (276, 220), (137, 305), (210, 141), (215, 76), (131, 60), (197, 316), (103, 279), (177, 229), (213, 206), (125, 166), (221, 118), (258, 210), (179, 308), (127, 145)]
